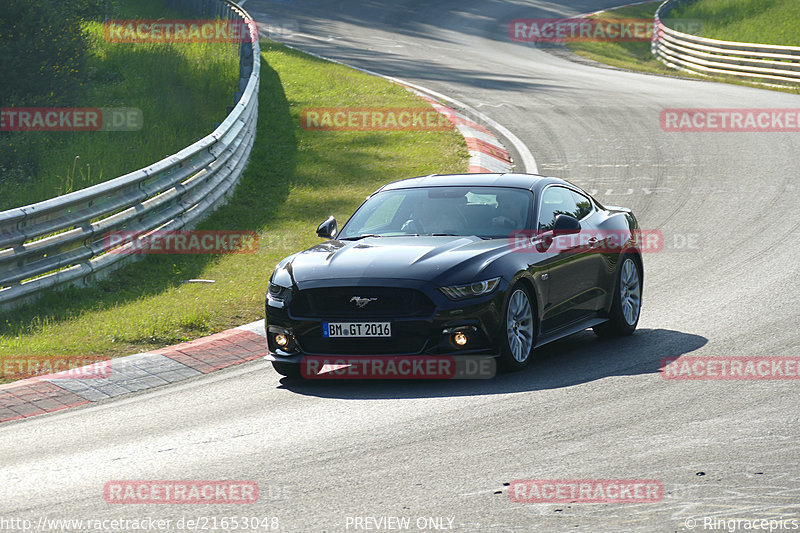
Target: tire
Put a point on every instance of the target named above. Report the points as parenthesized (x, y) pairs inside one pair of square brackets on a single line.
[(627, 304), (290, 370), (518, 333)]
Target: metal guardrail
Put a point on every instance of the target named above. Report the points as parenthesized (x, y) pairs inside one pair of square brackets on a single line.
[(683, 51), (61, 241)]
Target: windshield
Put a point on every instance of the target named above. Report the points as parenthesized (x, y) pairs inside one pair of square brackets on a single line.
[(487, 212)]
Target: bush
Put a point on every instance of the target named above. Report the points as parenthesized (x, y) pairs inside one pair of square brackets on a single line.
[(43, 52)]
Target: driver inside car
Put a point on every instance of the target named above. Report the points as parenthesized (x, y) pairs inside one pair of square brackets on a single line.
[(437, 215)]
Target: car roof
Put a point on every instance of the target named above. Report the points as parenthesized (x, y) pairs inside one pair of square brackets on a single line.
[(515, 180)]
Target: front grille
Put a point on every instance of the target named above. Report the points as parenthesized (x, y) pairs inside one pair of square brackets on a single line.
[(338, 302)]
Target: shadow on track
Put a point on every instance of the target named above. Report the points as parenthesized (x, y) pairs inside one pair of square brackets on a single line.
[(580, 358), (396, 26)]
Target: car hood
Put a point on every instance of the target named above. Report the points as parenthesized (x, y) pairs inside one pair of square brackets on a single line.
[(418, 258)]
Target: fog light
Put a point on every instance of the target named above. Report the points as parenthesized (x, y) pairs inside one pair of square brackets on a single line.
[(281, 340), (460, 339)]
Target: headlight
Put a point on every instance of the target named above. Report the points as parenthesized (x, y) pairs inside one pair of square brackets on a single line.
[(276, 292), (479, 288)]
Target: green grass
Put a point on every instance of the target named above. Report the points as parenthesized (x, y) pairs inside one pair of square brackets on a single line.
[(750, 21), (294, 180), (637, 55), (182, 89)]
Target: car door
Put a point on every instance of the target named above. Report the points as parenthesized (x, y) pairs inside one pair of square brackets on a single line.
[(572, 267), (597, 241)]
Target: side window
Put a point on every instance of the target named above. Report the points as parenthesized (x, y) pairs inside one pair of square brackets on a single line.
[(583, 203), (556, 201)]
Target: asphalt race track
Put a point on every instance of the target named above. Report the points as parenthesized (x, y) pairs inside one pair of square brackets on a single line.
[(326, 453)]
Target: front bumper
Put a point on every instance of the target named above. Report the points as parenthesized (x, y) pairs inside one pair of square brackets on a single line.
[(479, 319)]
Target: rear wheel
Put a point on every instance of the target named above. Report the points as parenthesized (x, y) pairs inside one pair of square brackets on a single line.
[(627, 302), (518, 336), (290, 370)]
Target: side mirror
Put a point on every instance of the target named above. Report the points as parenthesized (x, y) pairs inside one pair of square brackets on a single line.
[(566, 225), (328, 229)]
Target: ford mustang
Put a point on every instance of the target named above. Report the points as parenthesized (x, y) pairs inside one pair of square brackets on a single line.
[(479, 265)]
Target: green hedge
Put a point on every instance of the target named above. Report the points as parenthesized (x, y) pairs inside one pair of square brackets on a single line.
[(43, 53), (43, 50)]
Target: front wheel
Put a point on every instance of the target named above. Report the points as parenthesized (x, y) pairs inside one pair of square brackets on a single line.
[(518, 335), (627, 302)]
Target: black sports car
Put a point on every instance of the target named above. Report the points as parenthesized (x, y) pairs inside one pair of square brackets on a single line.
[(489, 265)]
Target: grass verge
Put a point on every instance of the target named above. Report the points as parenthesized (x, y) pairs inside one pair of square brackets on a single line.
[(634, 55), (637, 56), (294, 180), (748, 21), (182, 90)]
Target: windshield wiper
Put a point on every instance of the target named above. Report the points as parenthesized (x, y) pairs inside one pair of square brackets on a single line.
[(364, 236), (358, 237)]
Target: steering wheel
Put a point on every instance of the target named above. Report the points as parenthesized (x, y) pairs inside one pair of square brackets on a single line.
[(412, 226)]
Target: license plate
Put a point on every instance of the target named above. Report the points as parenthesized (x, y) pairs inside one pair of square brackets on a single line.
[(356, 329)]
